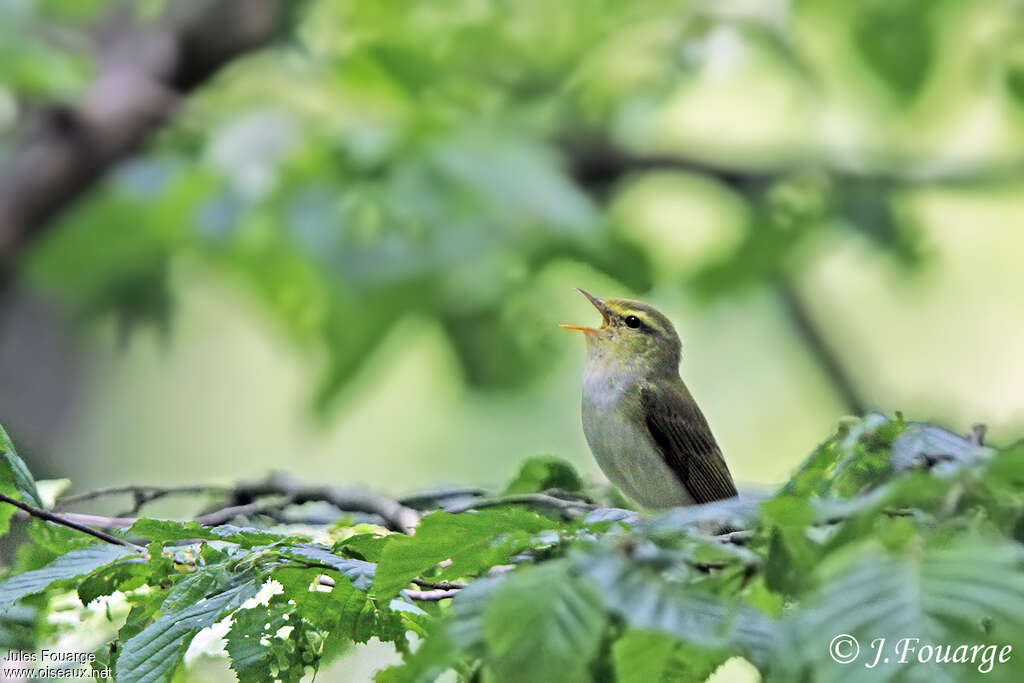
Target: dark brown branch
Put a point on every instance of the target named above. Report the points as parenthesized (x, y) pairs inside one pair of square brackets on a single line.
[(69, 523), (440, 585), (596, 163), (226, 514), (568, 508), (144, 74), (396, 516)]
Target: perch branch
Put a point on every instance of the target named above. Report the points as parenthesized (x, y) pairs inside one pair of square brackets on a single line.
[(396, 516), (570, 509), (48, 516)]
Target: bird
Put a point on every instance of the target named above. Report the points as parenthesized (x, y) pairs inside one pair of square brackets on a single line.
[(643, 426)]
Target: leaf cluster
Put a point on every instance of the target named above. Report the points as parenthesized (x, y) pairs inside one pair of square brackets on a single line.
[(889, 530)]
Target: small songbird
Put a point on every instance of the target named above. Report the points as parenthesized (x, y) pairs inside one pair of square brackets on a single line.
[(643, 426)]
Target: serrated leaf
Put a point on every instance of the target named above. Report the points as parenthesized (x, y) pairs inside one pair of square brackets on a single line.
[(652, 657), (359, 572), (165, 530), (473, 541), (436, 654), (969, 592), (543, 624), (16, 472), (153, 655), (73, 565), (468, 607), (646, 600), (259, 652), (543, 472), (642, 656), (193, 587), (851, 462), (119, 576)]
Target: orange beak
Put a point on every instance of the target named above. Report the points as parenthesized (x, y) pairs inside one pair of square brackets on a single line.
[(599, 305)]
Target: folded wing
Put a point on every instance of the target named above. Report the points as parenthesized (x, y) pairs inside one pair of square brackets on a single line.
[(682, 434)]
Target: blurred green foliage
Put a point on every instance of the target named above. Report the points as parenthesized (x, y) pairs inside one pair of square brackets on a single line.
[(392, 158)]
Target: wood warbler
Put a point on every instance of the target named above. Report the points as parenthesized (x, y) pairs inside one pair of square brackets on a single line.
[(643, 426)]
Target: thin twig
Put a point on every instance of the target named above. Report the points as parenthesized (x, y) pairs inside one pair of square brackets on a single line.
[(741, 537), (430, 596), (226, 514), (435, 595), (431, 500), (396, 516), (569, 509), (145, 494), (440, 585), (70, 524)]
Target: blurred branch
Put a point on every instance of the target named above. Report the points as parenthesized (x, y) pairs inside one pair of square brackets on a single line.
[(141, 495), (569, 508), (144, 74), (819, 347), (597, 163), (396, 516), (48, 516)]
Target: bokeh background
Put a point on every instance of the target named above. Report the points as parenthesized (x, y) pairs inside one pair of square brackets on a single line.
[(347, 253)]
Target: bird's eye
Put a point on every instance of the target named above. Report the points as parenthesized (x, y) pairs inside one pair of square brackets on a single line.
[(633, 322)]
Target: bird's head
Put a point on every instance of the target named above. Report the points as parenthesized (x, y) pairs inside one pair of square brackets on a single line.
[(632, 334)]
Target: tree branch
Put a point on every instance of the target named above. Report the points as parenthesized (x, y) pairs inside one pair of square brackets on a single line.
[(396, 516), (48, 516), (143, 76), (596, 163), (569, 508), (140, 494)]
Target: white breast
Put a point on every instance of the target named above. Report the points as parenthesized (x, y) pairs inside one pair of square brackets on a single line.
[(622, 447)]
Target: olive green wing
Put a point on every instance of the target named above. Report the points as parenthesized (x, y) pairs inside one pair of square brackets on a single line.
[(682, 434)]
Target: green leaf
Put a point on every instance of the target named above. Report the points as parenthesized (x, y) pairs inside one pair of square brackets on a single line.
[(194, 587), (16, 472), (854, 460), (544, 472), (259, 649), (359, 572), (74, 565), (435, 655), (895, 39), (473, 541), (154, 654), (642, 656), (544, 624), (121, 576), (970, 591), (652, 657), (164, 531), (646, 600), (468, 608)]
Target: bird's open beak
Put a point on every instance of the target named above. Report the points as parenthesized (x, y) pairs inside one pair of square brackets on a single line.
[(599, 305)]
